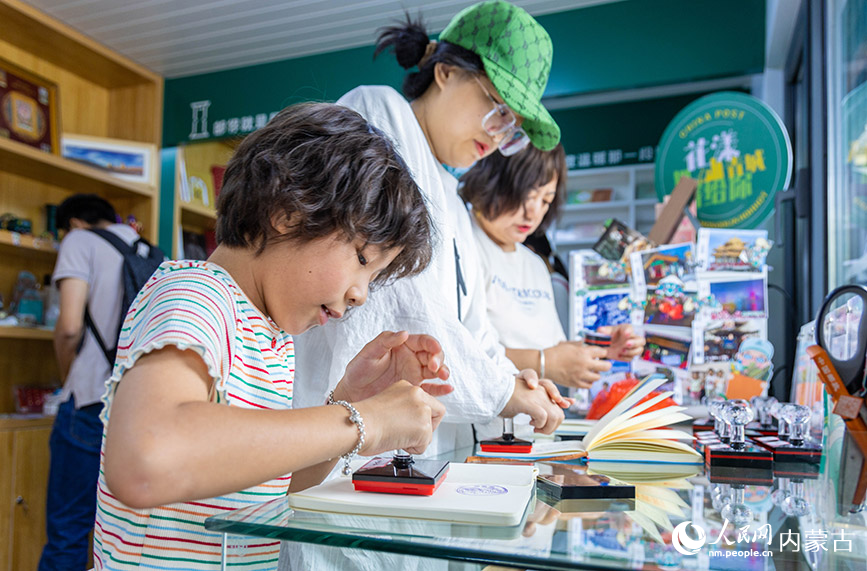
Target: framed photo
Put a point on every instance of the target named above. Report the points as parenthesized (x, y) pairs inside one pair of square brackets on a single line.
[(128, 160), (29, 111)]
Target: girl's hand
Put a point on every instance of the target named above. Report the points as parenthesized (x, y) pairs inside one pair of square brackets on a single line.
[(401, 416), (391, 357), (625, 344)]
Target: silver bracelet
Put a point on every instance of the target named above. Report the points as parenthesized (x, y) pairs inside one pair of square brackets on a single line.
[(354, 417), (541, 363)]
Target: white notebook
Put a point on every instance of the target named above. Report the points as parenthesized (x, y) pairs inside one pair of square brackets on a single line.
[(484, 494)]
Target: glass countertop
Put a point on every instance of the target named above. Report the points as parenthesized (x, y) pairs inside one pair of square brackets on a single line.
[(752, 520)]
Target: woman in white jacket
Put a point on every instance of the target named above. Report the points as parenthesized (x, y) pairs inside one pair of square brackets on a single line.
[(476, 90)]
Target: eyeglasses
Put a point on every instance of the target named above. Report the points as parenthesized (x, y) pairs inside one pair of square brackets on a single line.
[(502, 121)]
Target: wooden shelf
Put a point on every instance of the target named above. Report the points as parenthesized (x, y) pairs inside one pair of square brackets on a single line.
[(29, 162), (26, 27), (15, 421), (26, 245), (197, 215), (37, 333)]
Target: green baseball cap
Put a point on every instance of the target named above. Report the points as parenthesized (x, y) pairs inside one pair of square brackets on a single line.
[(516, 52)]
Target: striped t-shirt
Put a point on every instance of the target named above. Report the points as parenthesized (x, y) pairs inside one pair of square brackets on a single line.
[(196, 306)]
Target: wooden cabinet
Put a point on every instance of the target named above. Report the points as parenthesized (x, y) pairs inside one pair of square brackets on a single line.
[(23, 480), (100, 94)]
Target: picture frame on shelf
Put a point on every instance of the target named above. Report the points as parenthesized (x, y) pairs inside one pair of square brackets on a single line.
[(29, 108), (127, 160)]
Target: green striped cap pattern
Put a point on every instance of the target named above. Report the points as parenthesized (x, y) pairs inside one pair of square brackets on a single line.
[(516, 52)]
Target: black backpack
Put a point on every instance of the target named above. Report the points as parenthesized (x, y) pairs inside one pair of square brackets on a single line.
[(140, 261)]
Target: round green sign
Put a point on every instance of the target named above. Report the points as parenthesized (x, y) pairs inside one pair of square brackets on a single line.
[(737, 149)]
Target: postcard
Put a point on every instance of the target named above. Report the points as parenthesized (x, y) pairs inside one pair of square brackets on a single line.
[(619, 240), (590, 271), (721, 339), (651, 266), (731, 250), (670, 310), (736, 298), (597, 310), (672, 352)]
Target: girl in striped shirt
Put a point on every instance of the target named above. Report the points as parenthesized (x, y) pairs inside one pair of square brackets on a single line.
[(315, 207)]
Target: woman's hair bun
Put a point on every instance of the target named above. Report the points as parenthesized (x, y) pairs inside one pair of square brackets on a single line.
[(407, 40)]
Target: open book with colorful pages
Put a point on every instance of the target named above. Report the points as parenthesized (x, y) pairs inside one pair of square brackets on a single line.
[(629, 432), (480, 494)]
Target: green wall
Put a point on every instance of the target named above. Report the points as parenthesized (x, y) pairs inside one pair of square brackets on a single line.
[(627, 133), (627, 44), (622, 45)]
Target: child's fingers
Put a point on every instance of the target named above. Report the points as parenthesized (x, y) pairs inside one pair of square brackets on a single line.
[(432, 365), (444, 372), (385, 342), (421, 342)]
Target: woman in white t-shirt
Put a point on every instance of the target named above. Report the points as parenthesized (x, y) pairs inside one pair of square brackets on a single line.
[(512, 198)]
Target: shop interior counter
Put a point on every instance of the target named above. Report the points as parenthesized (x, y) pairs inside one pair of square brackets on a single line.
[(715, 519)]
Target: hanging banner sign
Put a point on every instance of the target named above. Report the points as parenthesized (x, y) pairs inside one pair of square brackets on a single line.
[(737, 149)]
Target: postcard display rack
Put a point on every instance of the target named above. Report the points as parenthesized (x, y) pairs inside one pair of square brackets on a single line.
[(58, 82), (695, 302)]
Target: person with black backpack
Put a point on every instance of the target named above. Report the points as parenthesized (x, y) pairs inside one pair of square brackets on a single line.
[(100, 268)]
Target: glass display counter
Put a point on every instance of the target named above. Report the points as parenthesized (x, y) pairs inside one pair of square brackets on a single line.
[(734, 519)]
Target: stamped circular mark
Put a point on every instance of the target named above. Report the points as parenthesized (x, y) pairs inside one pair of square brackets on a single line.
[(482, 490)]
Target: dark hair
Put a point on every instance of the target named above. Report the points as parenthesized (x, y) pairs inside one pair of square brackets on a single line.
[(499, 185), (327, 170), (408, 40), (91, 208), (538, 242)]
